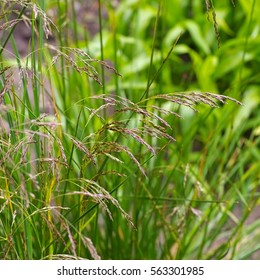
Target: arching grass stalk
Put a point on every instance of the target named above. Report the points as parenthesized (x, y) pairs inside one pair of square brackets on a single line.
[(149, 76), (144, 94)]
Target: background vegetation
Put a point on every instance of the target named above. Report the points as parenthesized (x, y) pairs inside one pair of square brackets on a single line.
[(112, 171)]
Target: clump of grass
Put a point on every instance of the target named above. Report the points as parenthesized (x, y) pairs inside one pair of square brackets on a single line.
[(101, 170)]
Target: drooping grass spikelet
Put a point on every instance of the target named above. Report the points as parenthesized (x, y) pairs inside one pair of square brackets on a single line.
[(209, 6)]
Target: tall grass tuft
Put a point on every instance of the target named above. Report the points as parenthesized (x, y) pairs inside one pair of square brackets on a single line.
[(96, 162)]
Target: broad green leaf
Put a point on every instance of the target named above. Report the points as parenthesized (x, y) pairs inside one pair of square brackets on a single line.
[(197, 36), (251, 101)]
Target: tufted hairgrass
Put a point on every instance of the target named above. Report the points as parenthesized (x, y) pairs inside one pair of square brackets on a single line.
[(106, 154)]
